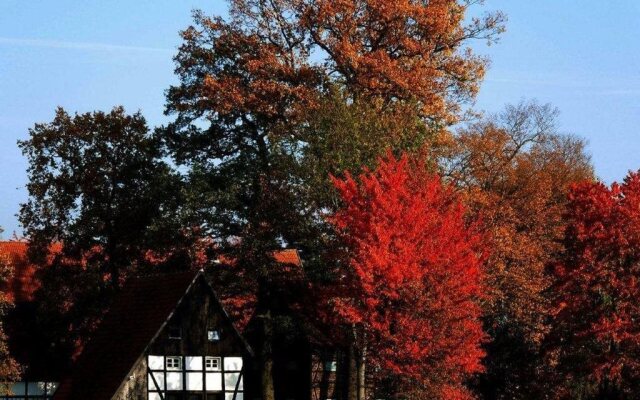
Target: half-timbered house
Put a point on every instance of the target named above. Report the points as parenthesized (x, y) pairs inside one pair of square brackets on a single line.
[(168, 337)]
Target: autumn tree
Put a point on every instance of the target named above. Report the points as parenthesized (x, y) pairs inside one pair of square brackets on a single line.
[(99, 190), (402, 50), (412, 284), (514, 169), (9, 368), (343, 135), (98, 185), (249, 84), (595, 344)]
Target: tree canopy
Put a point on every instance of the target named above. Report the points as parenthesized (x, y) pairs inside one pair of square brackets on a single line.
[(413, 280), (251, 88), (98, 185), (596, 337)]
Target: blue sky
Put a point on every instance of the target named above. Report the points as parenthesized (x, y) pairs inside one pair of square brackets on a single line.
[(582, 56)]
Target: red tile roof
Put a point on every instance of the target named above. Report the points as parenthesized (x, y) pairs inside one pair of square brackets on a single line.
[(284, 256), (128, 327), (288, 256)]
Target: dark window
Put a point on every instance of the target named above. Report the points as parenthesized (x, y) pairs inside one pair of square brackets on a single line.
[(175, 332), (292, 366), (194, 396)]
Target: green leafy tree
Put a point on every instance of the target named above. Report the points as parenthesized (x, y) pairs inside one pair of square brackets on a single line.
[(342, 135), (103, 198), (99, 186)]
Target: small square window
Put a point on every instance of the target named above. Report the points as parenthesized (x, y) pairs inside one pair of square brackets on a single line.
[(331, 366), (175, 332), (174, 363), (212, 363), (213, 335)]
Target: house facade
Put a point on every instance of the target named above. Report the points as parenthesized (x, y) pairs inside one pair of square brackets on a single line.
[(168, 337)]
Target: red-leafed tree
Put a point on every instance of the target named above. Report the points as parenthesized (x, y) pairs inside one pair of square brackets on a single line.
[(249, 118), (596, 337), (412, 277), (9, 368)]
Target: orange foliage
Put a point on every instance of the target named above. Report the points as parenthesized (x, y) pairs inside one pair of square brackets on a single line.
[(515, 170), (9, 369), (408, 50), (236, 77), (24, 281), (273, 58)]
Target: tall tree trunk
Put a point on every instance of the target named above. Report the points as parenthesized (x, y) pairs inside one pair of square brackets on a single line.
[(266, 357), (352, 388), (362, 372)]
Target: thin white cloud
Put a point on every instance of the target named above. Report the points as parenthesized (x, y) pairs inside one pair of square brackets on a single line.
[(608, 88), (538, 82), (58, 44), (620, 92)]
